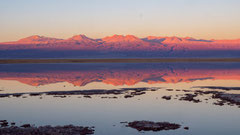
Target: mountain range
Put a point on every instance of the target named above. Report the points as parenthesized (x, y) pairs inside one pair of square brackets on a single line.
[(81, 46)]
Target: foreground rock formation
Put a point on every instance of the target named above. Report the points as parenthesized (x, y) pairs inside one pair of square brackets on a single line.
[(46, 130)]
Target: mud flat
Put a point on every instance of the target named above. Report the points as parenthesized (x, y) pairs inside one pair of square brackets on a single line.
[(191, 98), (152, 126), (223, 98), (27, 129), (128, 92), (230, 99)]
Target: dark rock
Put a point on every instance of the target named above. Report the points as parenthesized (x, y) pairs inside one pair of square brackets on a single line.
[(26, 126), (17, 95), (35, 94), (128, 96), (220, 103), (60, 96), (3, 123), (113, 97), (138, 93), (4, 95), (186, 128), (87, 96), (190, 98), (153, 126), (207, 92), (167, 97), (186, 90)]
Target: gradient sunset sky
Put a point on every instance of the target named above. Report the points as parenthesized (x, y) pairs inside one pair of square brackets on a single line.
[(207, 19)]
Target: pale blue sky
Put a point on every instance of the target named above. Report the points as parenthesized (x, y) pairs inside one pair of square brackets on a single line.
[(99, 18)]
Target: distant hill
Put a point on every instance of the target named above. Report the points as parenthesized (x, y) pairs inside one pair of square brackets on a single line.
[(118, 46)]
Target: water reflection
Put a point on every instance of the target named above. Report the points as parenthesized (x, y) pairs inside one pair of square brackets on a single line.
[(103, 95), (119, 74)]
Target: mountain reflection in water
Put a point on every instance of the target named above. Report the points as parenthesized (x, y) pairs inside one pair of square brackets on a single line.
[(118, 74)]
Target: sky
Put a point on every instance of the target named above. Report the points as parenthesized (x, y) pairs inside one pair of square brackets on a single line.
[(202, 19)]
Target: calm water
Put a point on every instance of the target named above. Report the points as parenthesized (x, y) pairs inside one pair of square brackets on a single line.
[(105, 112)]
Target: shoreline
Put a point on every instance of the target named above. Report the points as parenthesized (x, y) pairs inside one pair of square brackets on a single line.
[(136, 60)]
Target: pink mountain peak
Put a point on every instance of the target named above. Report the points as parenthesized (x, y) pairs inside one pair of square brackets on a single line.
[(114, 37), (175, 39), (152, 37), (32, 38), (189, 38), (38, 39), (121, 38), (79, 37)]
